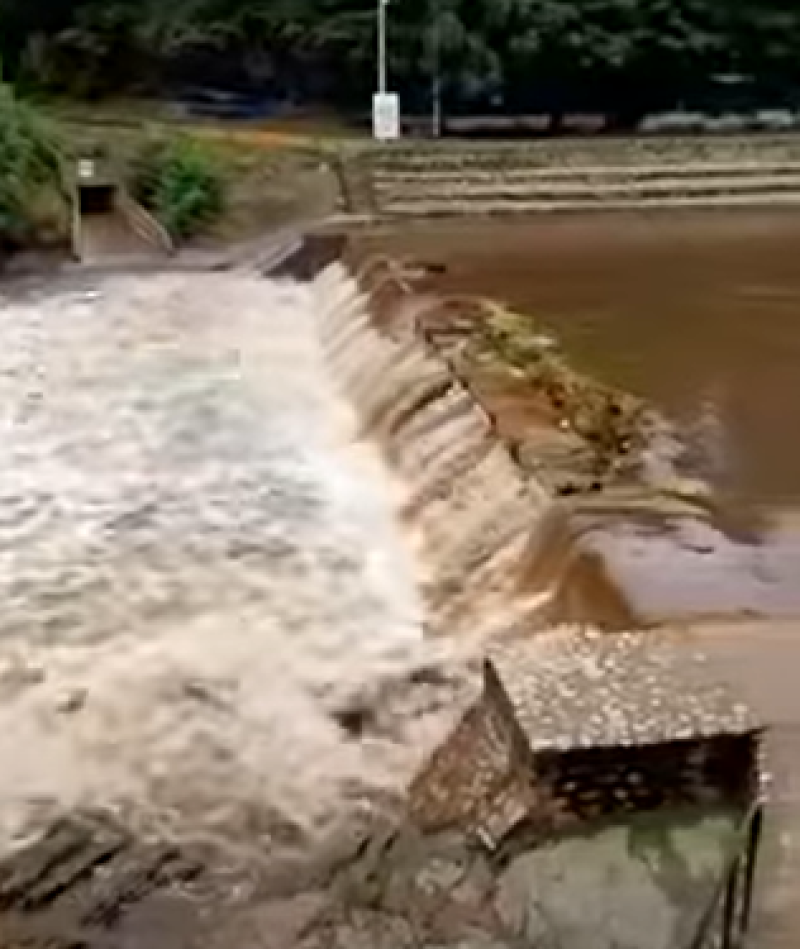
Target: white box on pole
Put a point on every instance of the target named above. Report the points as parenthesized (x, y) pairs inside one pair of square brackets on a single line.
[(386, 116)]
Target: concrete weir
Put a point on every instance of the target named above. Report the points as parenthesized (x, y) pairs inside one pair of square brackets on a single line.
[(625, 559), (502, 557), (466, 507)]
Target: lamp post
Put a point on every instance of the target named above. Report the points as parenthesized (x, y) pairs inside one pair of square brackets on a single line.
[(436, 72), (385, 105), (382, 81)]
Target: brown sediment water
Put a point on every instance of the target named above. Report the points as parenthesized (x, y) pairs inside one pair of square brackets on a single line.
[(697, 312)]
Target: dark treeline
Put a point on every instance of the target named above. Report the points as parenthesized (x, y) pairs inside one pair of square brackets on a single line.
[(626, 56)]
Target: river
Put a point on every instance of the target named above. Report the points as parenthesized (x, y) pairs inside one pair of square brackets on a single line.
[(700, 313)]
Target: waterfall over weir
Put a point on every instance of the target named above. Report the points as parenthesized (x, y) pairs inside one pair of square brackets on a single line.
[(258, 543), (245, 528), (465, 501)]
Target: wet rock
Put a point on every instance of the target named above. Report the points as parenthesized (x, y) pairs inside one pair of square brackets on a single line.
[(440, 876), (371, 930), (72, 701), (17, 677), (280, 924), (468, 907), (473, 939)]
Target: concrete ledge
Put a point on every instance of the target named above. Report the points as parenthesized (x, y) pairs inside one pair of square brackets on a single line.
[(499, 551)]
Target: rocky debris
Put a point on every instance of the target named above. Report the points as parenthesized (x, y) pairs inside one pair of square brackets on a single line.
[(635, 884), (82, 878), (572, 431), (275, 923), (642, 883)]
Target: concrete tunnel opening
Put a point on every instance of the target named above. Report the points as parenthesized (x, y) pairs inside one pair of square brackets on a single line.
[(96, 199)]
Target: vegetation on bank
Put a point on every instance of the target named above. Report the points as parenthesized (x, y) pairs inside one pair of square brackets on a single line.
[(179, 178), (545, 55), (32, 170), (525, 359), (182, 182)]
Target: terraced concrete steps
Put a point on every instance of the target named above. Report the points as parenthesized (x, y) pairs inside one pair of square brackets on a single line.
[(520, 208), (488, 180)]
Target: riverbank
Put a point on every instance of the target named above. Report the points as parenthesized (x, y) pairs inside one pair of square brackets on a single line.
[(499, 180), (278, 179)]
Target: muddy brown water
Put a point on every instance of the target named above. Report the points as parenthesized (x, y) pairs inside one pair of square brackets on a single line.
[(700, 313)]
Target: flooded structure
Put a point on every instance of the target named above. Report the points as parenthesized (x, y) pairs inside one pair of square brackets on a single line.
[(107, 223), (579, 745), (577, 726), (279, 536)]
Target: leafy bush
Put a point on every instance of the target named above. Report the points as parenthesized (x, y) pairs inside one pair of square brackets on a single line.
[(182, 183), (31, 163)]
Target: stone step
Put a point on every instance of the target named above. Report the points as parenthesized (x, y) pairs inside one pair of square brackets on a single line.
[(533, 172), (500, 208), (685, 148), (469, 190)]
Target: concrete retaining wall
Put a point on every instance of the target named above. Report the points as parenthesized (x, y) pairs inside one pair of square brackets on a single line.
[(540, 177)]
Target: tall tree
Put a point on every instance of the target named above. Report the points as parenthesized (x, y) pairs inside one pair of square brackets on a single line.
[(638, 52)]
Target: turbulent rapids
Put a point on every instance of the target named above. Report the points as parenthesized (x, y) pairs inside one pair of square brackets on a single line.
[(258, 538), (208, 568), (200, 568)]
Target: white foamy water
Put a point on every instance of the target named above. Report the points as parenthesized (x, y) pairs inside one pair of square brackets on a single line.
[(196, 568)]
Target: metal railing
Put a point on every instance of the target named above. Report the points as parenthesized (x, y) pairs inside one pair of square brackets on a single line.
[(143, 223), (726, 922)]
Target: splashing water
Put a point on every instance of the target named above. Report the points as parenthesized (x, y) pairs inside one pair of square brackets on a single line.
[(197, 568), (464, 494)]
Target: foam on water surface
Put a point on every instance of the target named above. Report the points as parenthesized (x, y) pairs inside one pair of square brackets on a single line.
[(198, 566)]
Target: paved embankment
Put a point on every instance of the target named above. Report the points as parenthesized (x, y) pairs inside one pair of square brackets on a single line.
[(495, 179)]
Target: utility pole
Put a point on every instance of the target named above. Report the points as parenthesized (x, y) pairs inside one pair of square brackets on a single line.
[(382, 70), (436, 72), (385, 105)]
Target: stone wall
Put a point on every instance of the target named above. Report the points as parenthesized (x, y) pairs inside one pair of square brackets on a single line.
[(475, 782)]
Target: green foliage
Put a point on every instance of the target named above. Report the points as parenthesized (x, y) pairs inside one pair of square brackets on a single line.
[(31, 163), (652, 50), (182, 182)]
